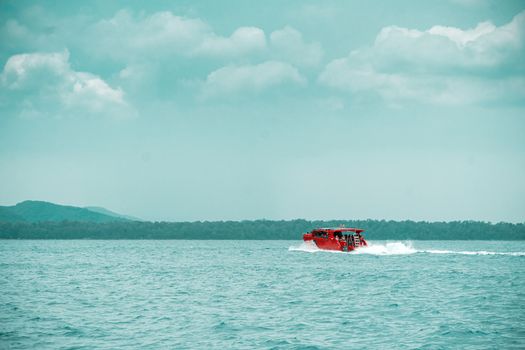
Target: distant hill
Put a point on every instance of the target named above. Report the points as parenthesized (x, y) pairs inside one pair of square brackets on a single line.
[(44, 220), (112, 213), (39, 211)]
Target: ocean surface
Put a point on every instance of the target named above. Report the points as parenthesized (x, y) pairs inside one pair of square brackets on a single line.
[(89, 294)]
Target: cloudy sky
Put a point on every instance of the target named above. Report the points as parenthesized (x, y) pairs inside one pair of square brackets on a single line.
[(231, 110)]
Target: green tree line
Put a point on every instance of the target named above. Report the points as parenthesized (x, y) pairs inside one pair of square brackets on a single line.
[(260, 229)]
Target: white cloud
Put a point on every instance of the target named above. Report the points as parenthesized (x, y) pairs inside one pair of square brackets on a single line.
[(288, 43), (251, 78), (244, 40), (462, 37), (164, 34), (162, 54), (444, 65), (45, 84)]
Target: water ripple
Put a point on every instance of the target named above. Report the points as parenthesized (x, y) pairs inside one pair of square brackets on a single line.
[(260, 294)]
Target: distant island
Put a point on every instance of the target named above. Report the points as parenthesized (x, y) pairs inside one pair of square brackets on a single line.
[(40, 211), (44, 220)]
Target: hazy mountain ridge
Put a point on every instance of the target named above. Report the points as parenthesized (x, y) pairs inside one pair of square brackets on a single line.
[(39, 211), (108, 212), (44, 220)]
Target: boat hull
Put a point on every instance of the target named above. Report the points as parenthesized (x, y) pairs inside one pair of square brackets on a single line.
[(329, 241)]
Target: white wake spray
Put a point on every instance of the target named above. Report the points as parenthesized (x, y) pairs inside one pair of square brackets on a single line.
[(308, 247), (391, 248), (466, 252), (394, 248)]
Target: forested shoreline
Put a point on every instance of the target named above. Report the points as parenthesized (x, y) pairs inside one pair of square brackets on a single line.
[(260, 229)]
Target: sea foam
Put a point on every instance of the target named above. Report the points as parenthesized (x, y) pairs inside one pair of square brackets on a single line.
[(395, 248), (390, 248)]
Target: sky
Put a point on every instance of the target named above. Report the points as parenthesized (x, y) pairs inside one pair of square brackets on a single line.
[(241, 110)]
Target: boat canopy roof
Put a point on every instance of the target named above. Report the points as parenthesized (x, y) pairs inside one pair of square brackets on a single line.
[(340, 229)]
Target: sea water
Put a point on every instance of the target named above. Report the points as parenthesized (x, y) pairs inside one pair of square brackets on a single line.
[(87, 294)]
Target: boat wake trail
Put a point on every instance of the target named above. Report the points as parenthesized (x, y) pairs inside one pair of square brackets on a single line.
[(308, 247), (466, 252), (391, 248), (394, 248)]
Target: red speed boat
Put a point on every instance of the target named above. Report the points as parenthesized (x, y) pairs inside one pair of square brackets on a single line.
[(343, 239)]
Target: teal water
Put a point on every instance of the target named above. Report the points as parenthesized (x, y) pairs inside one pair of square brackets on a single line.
[(261, 295)]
